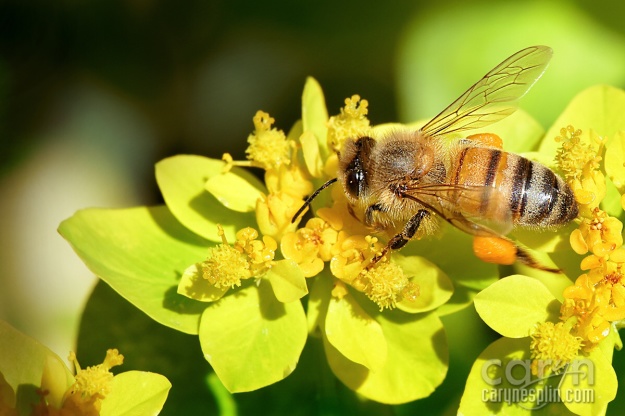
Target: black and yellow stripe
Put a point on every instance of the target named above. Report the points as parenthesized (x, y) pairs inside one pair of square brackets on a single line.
[(511, 188)]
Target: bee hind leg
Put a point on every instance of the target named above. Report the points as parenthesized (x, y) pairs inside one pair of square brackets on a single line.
[(500, 250), (526, 258), (401, 239)]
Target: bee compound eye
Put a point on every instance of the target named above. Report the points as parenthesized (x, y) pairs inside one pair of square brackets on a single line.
[(355, 180)]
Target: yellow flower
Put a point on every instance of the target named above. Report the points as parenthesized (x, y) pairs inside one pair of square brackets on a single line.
[(386, 284), (334, 235), (268, 147), (599, 234), (290, 179), (351, 254), (338, 215), (552, 347), (274, 213), (586, 306), (351, 122), (383, 282), (287, 183), (598, 296), (310, 246), (260, 254), (91, 385), (579, 160), (227, 265), (607, 276)]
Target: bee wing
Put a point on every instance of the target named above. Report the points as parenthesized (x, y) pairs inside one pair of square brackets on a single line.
[(470, 227), (495, 96), (452, 198)]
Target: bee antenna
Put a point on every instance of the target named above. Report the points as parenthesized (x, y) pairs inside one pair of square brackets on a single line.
[(311, 197)]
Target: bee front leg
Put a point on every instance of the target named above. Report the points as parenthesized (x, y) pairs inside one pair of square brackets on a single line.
[(401, 239)]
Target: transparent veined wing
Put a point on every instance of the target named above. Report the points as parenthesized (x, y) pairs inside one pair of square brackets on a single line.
[(495, 96), (461, 204)]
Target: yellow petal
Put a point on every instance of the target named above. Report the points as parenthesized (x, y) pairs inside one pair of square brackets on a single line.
[(578, 242)]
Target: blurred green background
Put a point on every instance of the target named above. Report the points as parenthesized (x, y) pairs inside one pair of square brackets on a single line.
[(92, 94)]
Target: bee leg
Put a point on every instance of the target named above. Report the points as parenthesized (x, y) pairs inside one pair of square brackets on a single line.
[(526, 258), (401, 239), (487, 139), (500, 250)]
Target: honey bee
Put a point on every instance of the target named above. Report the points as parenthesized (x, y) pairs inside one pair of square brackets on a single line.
[(410, 180)]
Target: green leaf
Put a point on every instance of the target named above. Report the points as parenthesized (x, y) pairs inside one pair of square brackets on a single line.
[(354, 333), (182, 180), (615, 160), (611, 203), (547, 241), (461, 298), (599, 108), (500, 376), (141, 253), (556, 283), (251, 339), (54, 380), (435, 288), (194, 286), (513, 305), (110, 321), (610, 343), (287, 281), (416, 362), (136, 393), (312, 157), (315, 114), (589, 385), (236, 189), (318, 301), (22, 362)]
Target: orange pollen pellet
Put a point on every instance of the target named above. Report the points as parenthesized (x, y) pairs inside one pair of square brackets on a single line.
[(494, 250), (487, 139)]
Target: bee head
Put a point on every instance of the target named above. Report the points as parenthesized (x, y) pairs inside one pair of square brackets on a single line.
[(353, 165)]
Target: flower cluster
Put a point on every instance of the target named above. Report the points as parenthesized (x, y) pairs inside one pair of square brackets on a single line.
[(332, 236), (579, 159), (350, 258), (351, 122), (287, 183), (268, 148), (569, 338), (266, 282), (597, 298), (84, 397), (92, 384), (553, 347), (227, 265)]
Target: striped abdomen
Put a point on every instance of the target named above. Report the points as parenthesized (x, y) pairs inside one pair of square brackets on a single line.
[(510, 188)]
